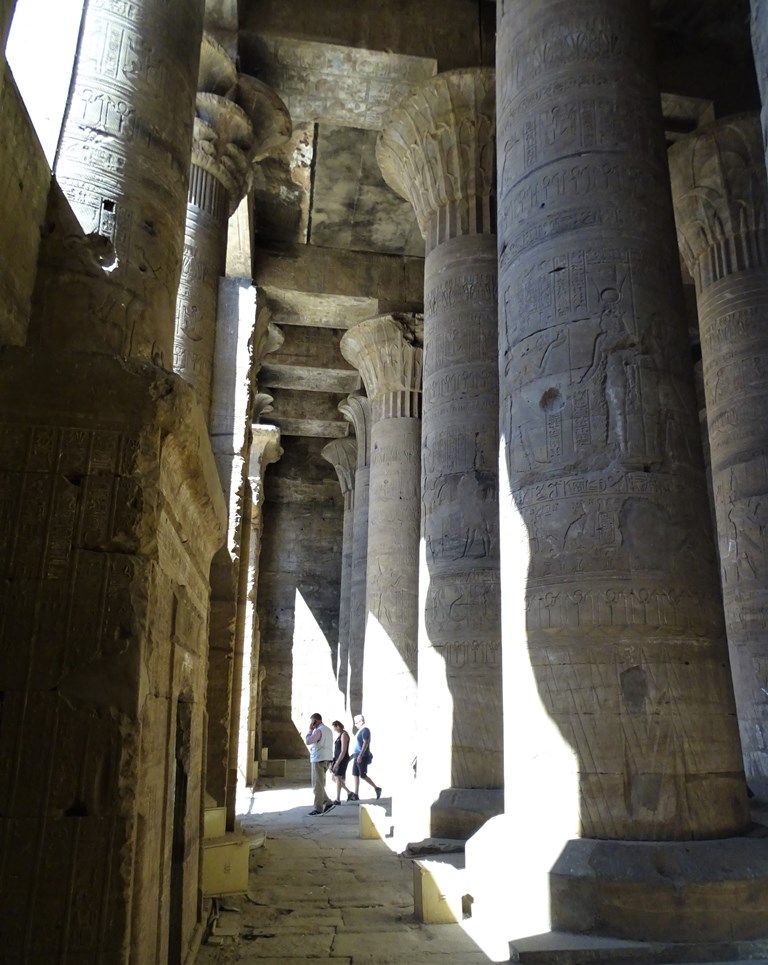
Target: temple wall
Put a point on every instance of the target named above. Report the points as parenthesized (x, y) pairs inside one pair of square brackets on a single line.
[(24, 182), (298, 596)]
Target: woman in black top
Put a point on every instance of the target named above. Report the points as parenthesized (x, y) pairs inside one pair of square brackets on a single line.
[(340, 760)]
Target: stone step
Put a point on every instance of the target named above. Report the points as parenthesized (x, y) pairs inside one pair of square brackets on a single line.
[(564, 948)]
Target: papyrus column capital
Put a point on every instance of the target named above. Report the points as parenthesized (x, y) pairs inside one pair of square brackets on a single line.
[(342, 455), (357, 410), (437, 150), (719, 190), (385, 352), (265, 450), (238, 120)]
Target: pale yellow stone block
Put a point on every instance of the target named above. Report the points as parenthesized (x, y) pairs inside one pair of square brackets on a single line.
[(225, 865), (214, 822), (374, 823), (437, 892)]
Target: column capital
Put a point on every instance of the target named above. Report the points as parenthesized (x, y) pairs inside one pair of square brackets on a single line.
[(385, 352), (438, 150), (265, 449), (238, 121), (262, 404), (342, 455), (720, 191), (357, 410)]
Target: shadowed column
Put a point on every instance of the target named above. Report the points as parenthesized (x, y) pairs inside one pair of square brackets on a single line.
[(238, 121), (385, 350), (620, 725), (357, 410), (437, 149), (720, 191), (342, 455)]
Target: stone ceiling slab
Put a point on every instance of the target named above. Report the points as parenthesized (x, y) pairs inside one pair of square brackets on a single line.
[(352, 207), (339, 85)]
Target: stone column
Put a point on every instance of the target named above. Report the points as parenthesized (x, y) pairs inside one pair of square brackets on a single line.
[(385, 351), (126, 187), (618, 706), (112, 513), (438, 150), (342, 455), (265, 450), (720, 193), (357, 410), (760, 49), (238, 120)]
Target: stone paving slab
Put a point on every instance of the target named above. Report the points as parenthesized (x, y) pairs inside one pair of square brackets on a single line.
[(319, 893)]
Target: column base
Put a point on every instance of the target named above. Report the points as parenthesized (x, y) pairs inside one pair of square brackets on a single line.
[(459, 812), (663, 891), (672, 893)]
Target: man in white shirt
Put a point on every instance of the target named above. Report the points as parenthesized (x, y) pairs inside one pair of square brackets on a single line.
[(319, 740)]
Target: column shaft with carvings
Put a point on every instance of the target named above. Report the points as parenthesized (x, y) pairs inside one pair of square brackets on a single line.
[(115, 512), (618, 706), (438, 150), (720, 192), (123, 168), (342, 454), (238, 120), (356, 409), (265, 450), (385, 352)]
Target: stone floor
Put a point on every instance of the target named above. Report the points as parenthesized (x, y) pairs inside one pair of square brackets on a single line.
[(317, 891)]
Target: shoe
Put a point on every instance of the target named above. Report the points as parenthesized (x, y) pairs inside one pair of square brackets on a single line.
[(315, 812), (329, 806), (352, 797), (337, 802), (378, 793)]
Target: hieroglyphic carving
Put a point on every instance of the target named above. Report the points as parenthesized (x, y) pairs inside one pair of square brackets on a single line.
[(597, 412), (437, 151), (721, 195)]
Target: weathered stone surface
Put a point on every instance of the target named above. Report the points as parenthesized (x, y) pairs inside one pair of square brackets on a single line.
[(128, 191), (610, 491), (357, 410), (342, 455), (438, 150), (24, 182), (108, 592), (387, 352), (720, 194)]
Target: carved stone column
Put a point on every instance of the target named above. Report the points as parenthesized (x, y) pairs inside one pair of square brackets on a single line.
[(618, 706), (123, 167), (342, 455), (720, 193), (357, 409), (238, 121), (385, 351), (111, 516), (438, 150), (265, 450), (760, 50)]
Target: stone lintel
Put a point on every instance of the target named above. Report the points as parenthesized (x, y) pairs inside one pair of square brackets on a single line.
[(319, 428), (309, 378), (333, 271)]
